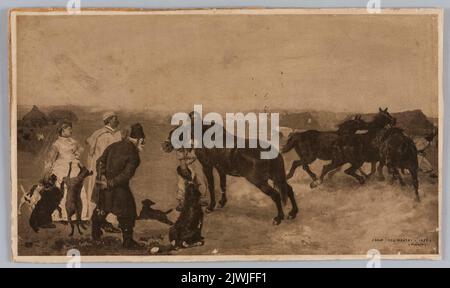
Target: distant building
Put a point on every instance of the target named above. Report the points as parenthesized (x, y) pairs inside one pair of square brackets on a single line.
[(35, 118), (299, 121)]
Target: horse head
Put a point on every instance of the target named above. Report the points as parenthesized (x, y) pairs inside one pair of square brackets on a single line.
[(383, 119), (352, 125), (167, 146)]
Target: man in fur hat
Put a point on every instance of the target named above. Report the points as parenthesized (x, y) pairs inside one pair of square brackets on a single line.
[(116, 167)]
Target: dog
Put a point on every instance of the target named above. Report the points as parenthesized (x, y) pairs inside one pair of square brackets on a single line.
[(74, 205), (31, 197), (186, 232), (51, 196), (148, 212)]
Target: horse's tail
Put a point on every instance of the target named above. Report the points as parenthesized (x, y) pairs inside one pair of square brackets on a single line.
[(290, 144)]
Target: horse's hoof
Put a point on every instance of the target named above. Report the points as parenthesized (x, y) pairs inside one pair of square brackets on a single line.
[(361, 181), (381, 178), (418, 199), (209, 210), (314, 184), (222, 203), (292, 215), (277, 220)]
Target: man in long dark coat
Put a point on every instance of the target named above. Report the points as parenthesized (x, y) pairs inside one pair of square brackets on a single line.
[(115, 168)]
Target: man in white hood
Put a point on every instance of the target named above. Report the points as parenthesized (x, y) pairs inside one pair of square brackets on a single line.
[(97, 143)]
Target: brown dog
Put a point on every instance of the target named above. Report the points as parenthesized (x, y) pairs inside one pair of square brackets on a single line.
[(74, 205)]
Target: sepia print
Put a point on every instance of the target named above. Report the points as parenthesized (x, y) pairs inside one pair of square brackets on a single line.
[(126, 144)]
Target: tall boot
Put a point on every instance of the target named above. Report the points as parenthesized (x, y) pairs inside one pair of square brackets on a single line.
[(128, 241), (97, 221)]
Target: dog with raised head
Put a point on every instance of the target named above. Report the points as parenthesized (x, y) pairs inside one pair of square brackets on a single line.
[(187, 230), (74, 205), (51, 196)]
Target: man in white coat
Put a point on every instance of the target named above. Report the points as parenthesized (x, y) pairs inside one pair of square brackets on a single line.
[(97, 143)]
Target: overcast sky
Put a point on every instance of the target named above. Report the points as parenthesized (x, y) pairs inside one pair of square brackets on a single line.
[(230, 63)]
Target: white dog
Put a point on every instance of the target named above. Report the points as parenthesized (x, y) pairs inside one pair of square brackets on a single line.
[(31, 198)]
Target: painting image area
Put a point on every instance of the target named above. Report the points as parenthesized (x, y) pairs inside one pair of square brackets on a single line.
[(125, 134)]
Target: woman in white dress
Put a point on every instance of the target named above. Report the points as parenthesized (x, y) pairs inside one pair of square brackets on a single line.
[(65, 150)]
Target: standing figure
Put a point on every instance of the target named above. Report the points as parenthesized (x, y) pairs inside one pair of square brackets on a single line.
[(422, 144), (116, 167), (188, 169), (187, 230), (98, 142), (64, 150)]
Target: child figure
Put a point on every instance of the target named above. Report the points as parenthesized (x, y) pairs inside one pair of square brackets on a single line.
[(188, 169), (185, 174), (187, 230)]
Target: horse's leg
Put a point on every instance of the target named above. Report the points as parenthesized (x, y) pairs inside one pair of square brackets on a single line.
[(380, 170), (310, 173), (413, 173), (294, 166), (373, 168), (208, 171), (332, 173), (272, 193), (293, 213), (352, 172), (399, 177), (326, 168), (223, 188), (391, 170)]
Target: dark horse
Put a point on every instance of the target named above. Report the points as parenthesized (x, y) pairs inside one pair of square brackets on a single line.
[(397, 151), (357, 148), (312, 145), (246, 163)]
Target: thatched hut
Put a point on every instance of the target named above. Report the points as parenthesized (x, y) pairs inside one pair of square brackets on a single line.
[(35, 118)]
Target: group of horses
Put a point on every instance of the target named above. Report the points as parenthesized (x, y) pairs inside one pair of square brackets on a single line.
[(383, 143)]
